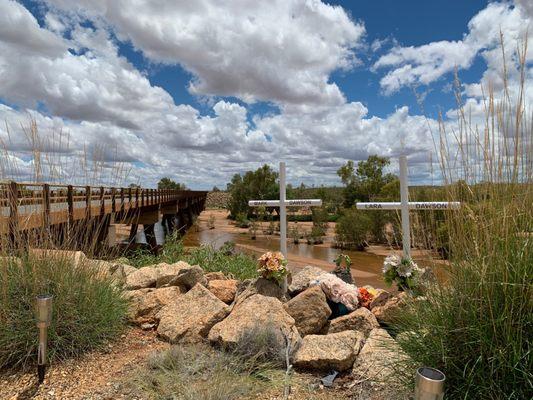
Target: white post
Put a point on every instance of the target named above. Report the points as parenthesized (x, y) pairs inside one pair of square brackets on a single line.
[(283, 217), (404, 196)]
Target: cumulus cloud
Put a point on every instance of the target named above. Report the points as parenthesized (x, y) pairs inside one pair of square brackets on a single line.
[(427, 63), (280, 51), (69, 76)]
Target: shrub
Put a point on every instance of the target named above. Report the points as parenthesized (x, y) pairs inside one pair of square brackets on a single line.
[(87, 310), (352, 229), (241, 221)]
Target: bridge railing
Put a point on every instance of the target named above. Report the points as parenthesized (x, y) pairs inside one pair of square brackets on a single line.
[(42, 204)]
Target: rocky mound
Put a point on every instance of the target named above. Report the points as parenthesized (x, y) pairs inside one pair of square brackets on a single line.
[(183, 304)]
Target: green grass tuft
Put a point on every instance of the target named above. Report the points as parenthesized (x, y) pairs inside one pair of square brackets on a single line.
[(87, 310)]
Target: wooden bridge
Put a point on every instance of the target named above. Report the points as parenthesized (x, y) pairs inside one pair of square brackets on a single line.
[(53, 212)]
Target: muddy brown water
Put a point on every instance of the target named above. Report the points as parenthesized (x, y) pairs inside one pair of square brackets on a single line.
[(366, 267)]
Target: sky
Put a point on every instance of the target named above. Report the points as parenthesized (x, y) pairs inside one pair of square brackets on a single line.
[(125, 91)]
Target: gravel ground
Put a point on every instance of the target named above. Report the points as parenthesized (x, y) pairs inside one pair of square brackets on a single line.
[(105, 375), (96, 376)]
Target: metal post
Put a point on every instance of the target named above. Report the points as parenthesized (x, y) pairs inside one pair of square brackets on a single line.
[(404, 196), (44, 316), (283, 216)]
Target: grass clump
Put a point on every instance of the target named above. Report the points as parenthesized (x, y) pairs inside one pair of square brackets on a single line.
[(238, 265), (262, 344), (87, 310), (225, 259), (202, 373)]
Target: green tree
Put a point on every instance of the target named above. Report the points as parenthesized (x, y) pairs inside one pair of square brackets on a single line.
[(260, 184), (167, 183), (365, 182)]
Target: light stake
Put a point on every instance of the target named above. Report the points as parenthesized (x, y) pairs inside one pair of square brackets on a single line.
[(44, 317), (429, 384)]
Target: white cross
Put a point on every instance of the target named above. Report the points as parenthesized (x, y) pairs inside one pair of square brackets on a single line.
[(282, 203), (405, 205)]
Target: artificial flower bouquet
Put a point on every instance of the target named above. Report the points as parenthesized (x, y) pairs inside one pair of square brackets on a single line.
[(273, 266), (365, 297), (401, 270)]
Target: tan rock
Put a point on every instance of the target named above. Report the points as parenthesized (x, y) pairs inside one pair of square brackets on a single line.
[(215, 276), (167, 272), (248, 314), (310, 310), (336, 351), (142, 278), (223, 289), (76, 257), (387, 312), (146, 303), (381, 297), (260, 286), (361, 320), (378, 356), (191, 317), (302, 279), (188, 276)]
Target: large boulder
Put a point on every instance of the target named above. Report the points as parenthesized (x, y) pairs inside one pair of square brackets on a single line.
[(223, 289), (256, 310), (77, 258), (262, 286), (188, 275), (167, 272), (113, 270), (144, 277), (191, 317), (387, 312), (336, 351), (302, 279), (361, 320), (378, 357), (146, 303), (310, 310)]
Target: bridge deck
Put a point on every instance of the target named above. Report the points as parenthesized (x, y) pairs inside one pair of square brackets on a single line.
[(28, 205)]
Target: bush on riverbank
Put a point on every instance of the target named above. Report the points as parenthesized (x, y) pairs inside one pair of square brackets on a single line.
[(87, 310), (351, 231)]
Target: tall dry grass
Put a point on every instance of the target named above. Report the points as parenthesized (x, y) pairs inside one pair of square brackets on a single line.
[(478, 326), (88, 310)]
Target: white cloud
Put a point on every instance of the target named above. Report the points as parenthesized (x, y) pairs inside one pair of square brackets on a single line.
[(427, 63), (70, 77), (280, 51)]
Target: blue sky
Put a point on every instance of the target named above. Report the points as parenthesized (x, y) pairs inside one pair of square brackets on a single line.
[(200, 91)]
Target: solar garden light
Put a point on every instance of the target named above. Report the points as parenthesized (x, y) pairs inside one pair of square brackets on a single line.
[(429, 384), (44, 316)]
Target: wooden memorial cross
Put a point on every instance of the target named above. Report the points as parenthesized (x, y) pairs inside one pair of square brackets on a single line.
[(405, 205), (282, 203)]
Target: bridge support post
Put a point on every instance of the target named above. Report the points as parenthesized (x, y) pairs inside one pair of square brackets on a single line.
[(133, 233), (149, 232)]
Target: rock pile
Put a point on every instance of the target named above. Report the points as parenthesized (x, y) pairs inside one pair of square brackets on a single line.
[(183, 304)]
